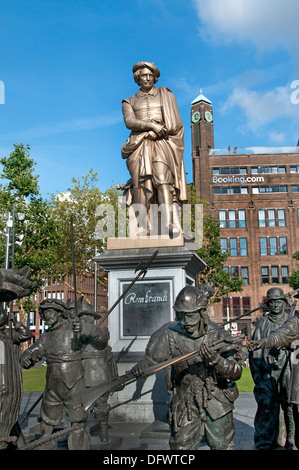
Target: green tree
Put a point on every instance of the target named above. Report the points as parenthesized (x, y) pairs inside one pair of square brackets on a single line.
[(81, 201), (20, 193), (212, 254), (36, 235), (294, 277)]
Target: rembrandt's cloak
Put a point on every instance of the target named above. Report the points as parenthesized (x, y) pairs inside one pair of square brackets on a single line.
[(140, 152)]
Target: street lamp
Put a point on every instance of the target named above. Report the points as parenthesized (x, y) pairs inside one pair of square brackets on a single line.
[(10, 233)]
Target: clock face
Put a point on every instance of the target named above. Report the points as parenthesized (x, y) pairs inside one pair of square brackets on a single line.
[(195, 117), (208, 116)]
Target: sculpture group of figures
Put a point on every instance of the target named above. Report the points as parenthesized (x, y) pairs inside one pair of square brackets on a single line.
[(77, 356), (204, 361)]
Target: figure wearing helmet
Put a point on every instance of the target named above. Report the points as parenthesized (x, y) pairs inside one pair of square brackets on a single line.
[(202, 388), (275, 370), (98, 362), (62, 346)]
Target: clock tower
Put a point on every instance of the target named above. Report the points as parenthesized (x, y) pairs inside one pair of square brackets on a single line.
[(202, 135)]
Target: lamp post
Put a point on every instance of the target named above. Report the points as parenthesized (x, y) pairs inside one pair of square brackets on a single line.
[(95, 281), (9, 228)]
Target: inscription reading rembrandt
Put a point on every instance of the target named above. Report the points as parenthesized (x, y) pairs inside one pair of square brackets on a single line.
[(147, 298), (146, 307)]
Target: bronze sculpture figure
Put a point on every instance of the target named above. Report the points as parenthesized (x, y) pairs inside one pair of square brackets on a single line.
[(62, 346), (283, 337), (154, 150), (202, 388), (98, 363), (271, 369), (13, 284)]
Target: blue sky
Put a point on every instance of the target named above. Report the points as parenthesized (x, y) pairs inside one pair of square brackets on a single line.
[(66, 66)]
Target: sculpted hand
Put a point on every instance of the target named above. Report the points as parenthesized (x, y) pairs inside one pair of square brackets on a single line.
[(151, 135), (25, 362), (207, 352), (158, 129), (254, 345)]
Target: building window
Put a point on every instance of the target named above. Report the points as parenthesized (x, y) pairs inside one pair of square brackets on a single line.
[(223, 243), (232, 219), (265, 275), (269, 189), (222, 218), (283, 248), (262, 217), (230, 190), (236, 218), (273, 245), (284, 274), (281, 217), (236, 306), (235, 170), (233, 248), (242, 218), (244, 275), (243, 246), (246, 304), (268, 218), (263, 246), (275, 274), (268, 170), (295, 188), (271, 218), (235, 271), (294, 169)]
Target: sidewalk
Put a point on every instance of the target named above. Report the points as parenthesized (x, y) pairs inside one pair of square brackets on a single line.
[(146, 436)]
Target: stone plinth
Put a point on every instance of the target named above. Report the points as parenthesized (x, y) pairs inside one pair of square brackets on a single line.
[(147, 306)]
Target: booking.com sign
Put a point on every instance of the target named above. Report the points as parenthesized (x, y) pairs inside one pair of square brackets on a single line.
[(2, 92)]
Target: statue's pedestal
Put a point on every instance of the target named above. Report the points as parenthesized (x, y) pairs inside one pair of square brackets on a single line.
[(146, 307)]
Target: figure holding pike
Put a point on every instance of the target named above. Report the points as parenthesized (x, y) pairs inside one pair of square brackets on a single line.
[(205, 361)]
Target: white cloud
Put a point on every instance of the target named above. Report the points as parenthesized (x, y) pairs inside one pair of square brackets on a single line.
[(263, 108), (277, 137), (267, 24)]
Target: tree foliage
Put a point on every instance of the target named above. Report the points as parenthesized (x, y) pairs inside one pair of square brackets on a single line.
[(80, 201), (20, 194), (294, 277), (212, 254)]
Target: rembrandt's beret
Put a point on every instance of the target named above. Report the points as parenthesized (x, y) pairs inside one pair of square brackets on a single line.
[(149, 65)]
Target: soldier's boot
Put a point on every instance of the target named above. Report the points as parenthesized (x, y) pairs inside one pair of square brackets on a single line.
[(104, 431), (46, 430), (78, 439), (290, 429)]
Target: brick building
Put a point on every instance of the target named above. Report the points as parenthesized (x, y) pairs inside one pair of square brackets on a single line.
[(254, 193)]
